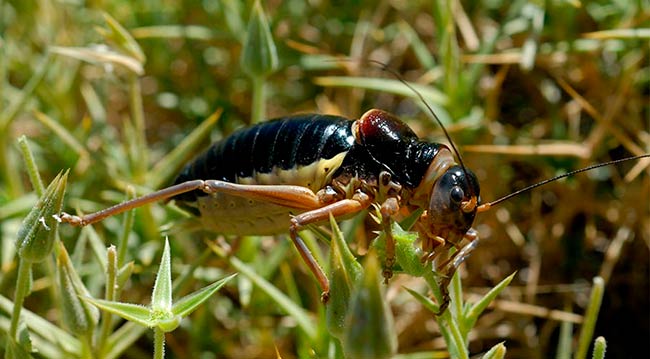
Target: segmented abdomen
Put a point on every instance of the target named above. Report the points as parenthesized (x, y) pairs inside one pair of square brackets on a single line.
[(279, 145)]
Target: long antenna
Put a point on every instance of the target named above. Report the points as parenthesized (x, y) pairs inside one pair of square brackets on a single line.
[(385, 67), (486, 206), (398, 76)]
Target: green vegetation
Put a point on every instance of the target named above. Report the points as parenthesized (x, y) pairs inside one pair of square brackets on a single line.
[(106, 100)]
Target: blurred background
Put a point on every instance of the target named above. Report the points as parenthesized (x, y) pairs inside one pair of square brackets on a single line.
[(527, 89)]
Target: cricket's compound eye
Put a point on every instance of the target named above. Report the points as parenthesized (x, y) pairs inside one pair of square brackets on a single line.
[(456, 195), (454, 199)]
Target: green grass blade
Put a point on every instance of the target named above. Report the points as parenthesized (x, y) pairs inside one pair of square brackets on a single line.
[(186, 305), (132, 312), (565, 341), (344, 275), (302, 318), (456, 304), (97, 246), (370, 330), (587, 330), (32, 169), (429, 93), (168, 166), (123, 338), (496, 352), (17, 206), (161, 298), (18, 103), (600, 347), (191, 32), (63, 133), (119, 36), (93, 102), (424, 300), (477, 308), (100, 56), (419, 47), (48, 331)]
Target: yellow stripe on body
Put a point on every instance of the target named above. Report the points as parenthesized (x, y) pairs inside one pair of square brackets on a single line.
[(313, 176)]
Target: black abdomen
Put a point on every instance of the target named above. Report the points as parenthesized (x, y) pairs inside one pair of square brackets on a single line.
[(283, 143)]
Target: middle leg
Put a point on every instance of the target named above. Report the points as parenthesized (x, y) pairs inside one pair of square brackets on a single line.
[(341, 208)]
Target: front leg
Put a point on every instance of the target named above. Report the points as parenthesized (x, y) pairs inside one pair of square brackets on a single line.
[(388, 210), (448, 268)]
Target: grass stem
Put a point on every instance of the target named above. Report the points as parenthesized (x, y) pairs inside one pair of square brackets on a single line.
[(259, 99), (23, 283), (159, 343)]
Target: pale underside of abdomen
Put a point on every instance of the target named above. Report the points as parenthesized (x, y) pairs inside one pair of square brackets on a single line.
[(229, 214)]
